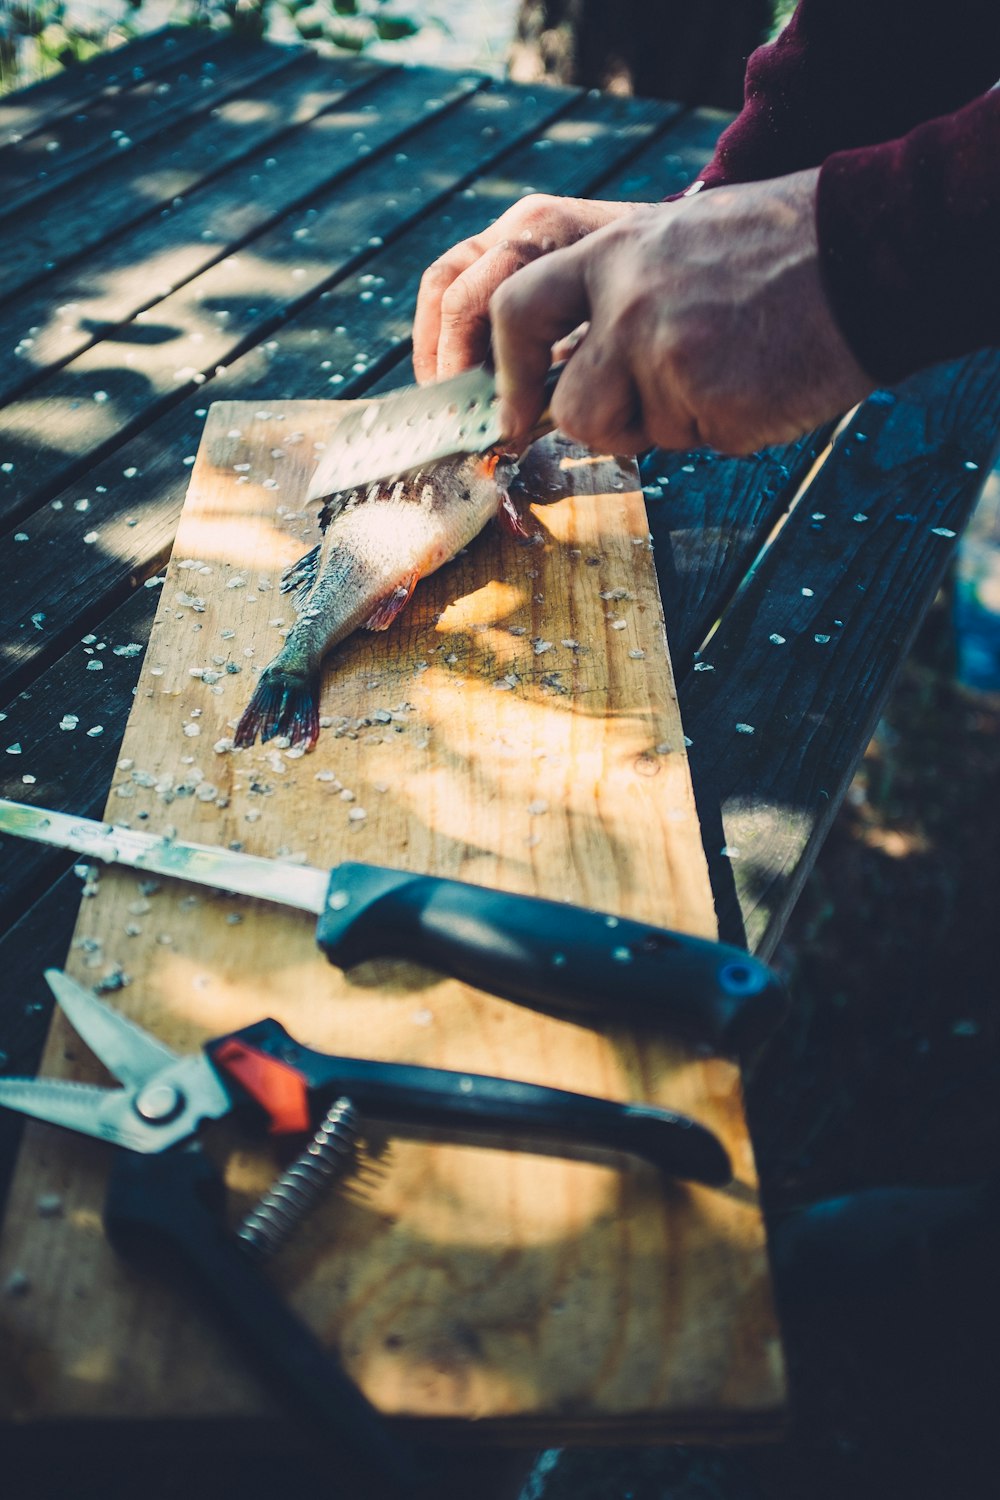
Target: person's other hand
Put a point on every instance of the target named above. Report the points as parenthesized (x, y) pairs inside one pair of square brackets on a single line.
[(451, 327), (709, 327)]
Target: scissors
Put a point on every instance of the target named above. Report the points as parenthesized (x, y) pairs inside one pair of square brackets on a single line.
[(166, 1199)]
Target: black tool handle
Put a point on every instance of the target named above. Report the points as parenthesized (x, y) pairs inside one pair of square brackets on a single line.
[(553, 956), (266, 1062), (170, 1209)]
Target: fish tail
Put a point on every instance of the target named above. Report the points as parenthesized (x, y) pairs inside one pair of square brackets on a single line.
[(284, 703)]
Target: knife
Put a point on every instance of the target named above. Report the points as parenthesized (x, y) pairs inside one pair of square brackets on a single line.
[(554, 956), (392, 435)]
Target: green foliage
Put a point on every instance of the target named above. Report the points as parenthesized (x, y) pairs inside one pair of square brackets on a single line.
[(350, 25), (47, 32), (40, 36)]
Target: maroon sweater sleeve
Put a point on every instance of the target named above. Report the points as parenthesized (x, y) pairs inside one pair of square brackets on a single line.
[(893, 98), (908, 235), (847, 73)]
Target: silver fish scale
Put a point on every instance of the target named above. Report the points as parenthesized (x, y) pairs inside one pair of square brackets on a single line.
[(394, 435)]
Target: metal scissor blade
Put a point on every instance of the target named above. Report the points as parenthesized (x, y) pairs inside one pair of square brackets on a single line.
[(125, 1049), (75, 1106), (168, 1110)]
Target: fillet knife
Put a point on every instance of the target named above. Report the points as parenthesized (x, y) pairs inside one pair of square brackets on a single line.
[(395, 434), (565, 959)]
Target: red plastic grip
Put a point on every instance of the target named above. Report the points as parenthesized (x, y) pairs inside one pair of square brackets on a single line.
[(277, 1086)]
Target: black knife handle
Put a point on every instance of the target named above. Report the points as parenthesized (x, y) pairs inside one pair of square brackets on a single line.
[(454, 1102), (553, 956)]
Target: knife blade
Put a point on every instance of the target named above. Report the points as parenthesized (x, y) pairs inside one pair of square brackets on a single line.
[(566, 959), (394, 434)]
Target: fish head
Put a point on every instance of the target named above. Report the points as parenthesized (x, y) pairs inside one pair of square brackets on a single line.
[(496, 468)]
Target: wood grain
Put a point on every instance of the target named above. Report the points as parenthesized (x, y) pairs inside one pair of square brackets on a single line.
[(518, 728), (25, 112), (808, 650)]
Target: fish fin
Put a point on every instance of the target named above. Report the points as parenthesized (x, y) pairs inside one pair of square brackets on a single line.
[(511, 520), (388, 608), (299, 578), (282, 704)]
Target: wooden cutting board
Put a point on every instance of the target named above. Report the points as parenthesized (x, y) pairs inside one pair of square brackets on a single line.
[(517, 727)]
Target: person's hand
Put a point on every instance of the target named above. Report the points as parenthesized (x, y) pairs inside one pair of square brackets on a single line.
[(709, 327), (451, 327)]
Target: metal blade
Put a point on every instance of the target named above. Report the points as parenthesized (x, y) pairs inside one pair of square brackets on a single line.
[(130, 1053), (167, 1110), (396, 433), (244, 874), (74, 1106)]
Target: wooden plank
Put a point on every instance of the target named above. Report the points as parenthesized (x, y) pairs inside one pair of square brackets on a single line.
[(271, 92), (516, 1289), (90, 300), (807, 653), (668, 164), (709, 517), (29, 109), (98, 398), (60, 738), (39, 166)]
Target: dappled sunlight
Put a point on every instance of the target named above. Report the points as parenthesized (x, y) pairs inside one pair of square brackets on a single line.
[(261, 544), (71, 419), (495, 601), (558, 760)]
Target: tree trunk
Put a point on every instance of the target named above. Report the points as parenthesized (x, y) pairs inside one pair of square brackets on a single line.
[(694, 51)]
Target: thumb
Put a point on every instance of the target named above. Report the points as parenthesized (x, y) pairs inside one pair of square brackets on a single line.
[(529, 313)]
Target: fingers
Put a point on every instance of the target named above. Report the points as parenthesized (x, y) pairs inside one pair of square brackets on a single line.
[(450, 329), (530, 313), (597, 401), (464, 334), (434, 283)]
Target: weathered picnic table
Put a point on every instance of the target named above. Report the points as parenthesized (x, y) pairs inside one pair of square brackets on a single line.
[(187, 221)]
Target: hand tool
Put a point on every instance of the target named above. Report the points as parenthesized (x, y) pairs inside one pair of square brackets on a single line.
[(166, 1199), (408, 429), (548, 954)]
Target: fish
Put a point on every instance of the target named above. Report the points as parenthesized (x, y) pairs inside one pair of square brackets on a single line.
[(377, 544)]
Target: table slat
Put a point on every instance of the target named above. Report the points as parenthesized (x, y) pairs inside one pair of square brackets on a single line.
[(39, 167), (27, 110), (808, 652), (256, 103)]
